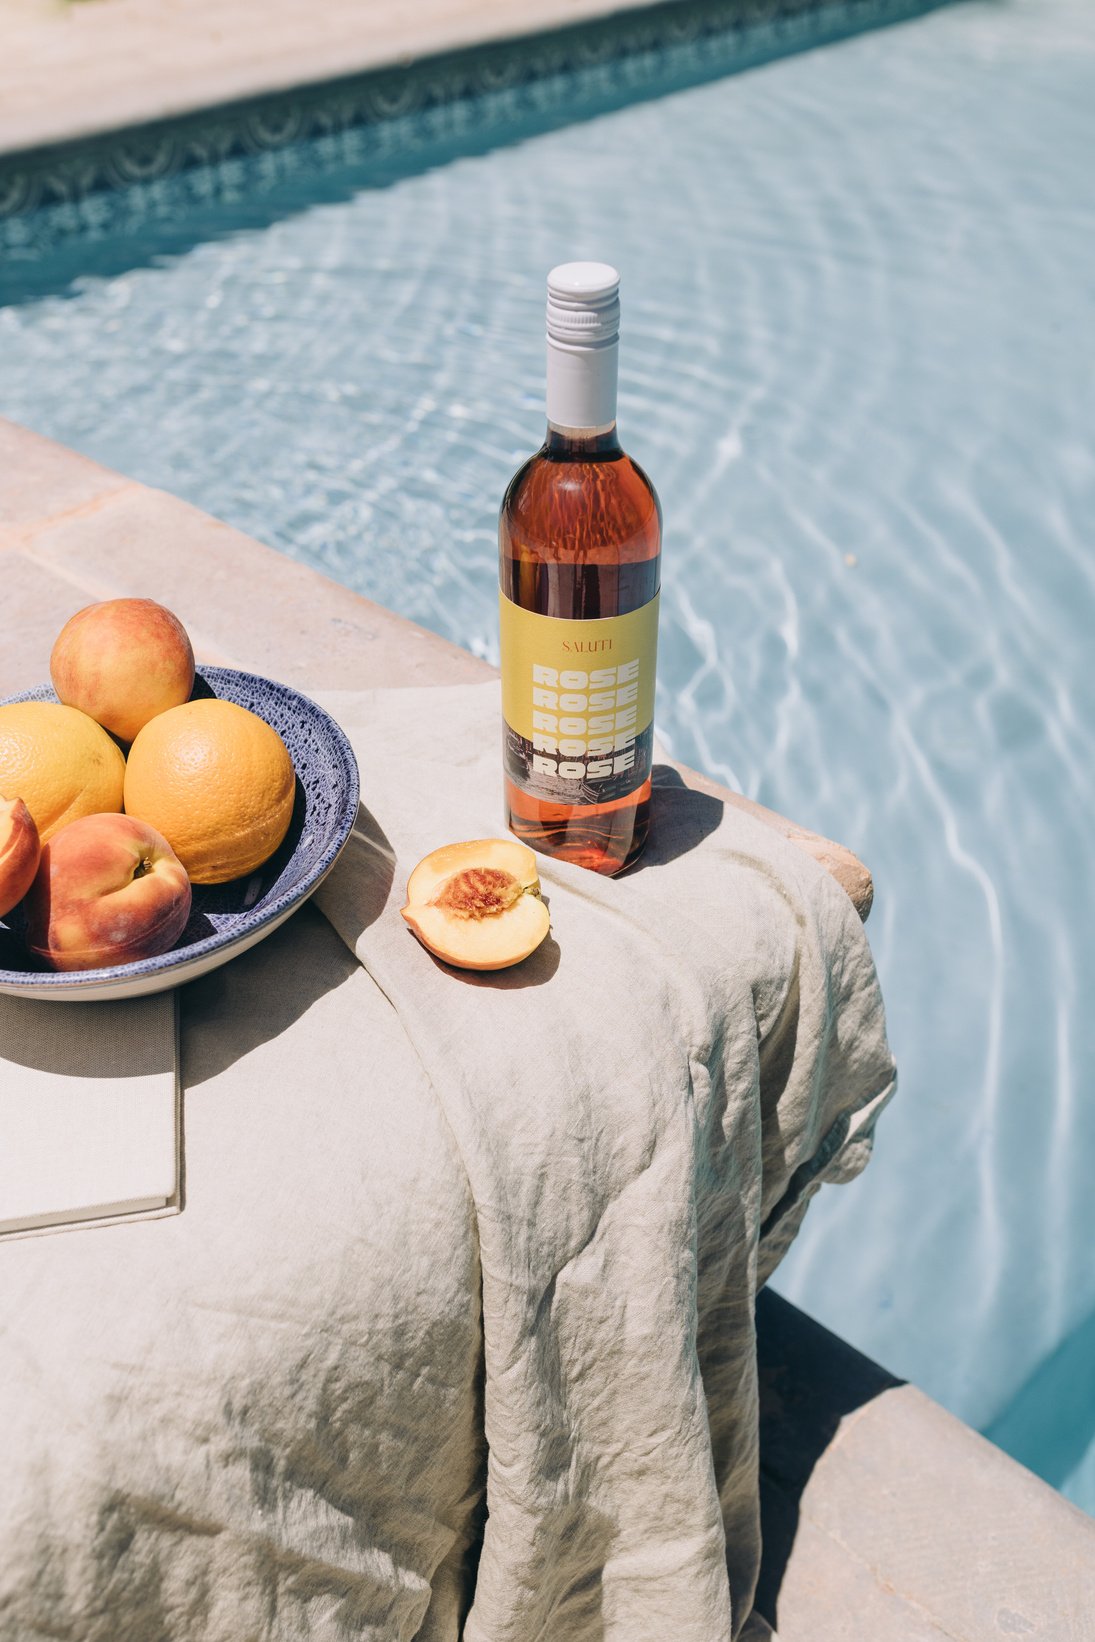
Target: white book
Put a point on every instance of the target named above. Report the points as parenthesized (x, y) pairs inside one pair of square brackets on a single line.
[(89, 1112)]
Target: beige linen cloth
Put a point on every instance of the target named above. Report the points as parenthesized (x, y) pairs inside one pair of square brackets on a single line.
[(422, 1207)]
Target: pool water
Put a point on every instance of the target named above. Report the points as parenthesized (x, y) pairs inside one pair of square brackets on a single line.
[(856, 360)]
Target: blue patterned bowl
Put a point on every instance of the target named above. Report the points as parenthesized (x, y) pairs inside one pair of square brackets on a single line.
[(226, 919)]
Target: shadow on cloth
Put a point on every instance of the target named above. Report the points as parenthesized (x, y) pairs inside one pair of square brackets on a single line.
[(264, 991), (531, 971), (810, 1380), (680, 818), (261, 993)]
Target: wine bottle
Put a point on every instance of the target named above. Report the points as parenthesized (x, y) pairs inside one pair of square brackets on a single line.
[(579, 569)]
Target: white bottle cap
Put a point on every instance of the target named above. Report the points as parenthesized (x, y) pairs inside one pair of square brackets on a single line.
[(583, 334)]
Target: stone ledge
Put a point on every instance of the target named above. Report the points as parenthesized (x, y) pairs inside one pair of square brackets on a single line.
[(888, 1520), (94, 535)]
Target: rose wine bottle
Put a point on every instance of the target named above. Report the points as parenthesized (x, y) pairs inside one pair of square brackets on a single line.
[(579, 568)]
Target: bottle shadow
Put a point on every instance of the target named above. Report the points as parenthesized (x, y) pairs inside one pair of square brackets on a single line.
[(681, 817)]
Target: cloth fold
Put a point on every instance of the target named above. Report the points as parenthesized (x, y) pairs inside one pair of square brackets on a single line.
[(643, 1109)]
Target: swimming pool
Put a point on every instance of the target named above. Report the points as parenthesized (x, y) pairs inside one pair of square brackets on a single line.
[(854, 360)]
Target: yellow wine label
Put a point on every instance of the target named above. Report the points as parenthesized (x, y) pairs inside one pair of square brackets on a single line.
[(578, 702)]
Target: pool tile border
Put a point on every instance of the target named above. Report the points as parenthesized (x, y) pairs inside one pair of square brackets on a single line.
[(96, 185)]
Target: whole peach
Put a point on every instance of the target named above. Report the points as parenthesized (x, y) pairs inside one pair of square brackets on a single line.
[(122, 662), (19, 852), (109, 890)]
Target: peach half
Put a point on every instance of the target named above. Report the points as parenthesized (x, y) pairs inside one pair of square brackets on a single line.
[(19, 852), (477, 905), (122, 662), (109, 890)]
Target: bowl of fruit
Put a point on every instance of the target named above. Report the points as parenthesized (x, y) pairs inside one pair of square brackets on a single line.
[(155, 820)]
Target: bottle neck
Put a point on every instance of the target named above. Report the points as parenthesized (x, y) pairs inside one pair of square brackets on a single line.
[(581, 386), (579, 444)]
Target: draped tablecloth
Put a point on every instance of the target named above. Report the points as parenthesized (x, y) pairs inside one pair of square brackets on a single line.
[(454, 1334)]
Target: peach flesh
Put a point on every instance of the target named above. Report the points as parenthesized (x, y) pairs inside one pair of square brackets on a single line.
[(477, 905), (109, 890), (20, 849), (122, 662), (505, 854)]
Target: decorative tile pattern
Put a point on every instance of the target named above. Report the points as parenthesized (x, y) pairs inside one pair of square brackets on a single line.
[(434, 108)]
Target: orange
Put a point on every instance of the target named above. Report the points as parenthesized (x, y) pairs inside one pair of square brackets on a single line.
[(59, 762), (217, 781)]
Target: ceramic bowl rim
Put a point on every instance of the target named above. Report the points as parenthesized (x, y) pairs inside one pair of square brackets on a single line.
[(72, 981)]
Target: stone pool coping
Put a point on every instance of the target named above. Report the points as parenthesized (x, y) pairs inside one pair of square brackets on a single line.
[(103, 98), (885, 1518), (73, 70)]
